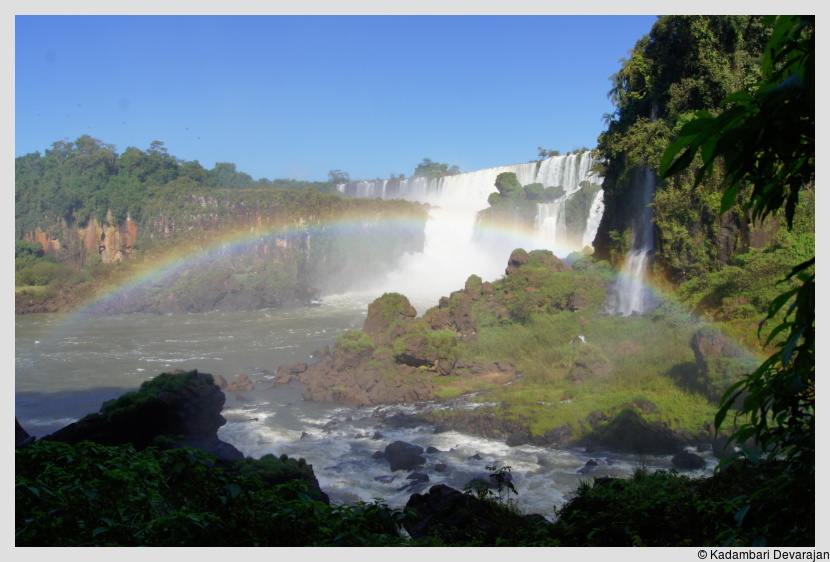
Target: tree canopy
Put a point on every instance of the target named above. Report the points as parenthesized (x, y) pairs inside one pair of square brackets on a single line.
[(765, 137), (428, 168), (85, 179)]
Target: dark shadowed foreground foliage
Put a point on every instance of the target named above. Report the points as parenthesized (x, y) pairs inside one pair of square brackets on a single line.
[(95, 495)]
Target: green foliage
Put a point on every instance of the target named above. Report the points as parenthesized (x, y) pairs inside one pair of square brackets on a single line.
[(355, 341), (746, 289), (149, 391), (271, 469), (666, 509), (338, 176), (86, 179), (778, 409), (25, 250), (428, 168), (685, 64), (508, 185), (94, 495)]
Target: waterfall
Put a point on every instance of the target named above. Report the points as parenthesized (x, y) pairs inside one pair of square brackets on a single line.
[(632, 293), (594, 218), (451, 252), (547, 221)]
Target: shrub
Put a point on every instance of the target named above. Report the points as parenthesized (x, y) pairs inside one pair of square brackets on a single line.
[(355, 341)]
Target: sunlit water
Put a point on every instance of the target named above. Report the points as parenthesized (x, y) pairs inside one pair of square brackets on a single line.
[(66, 366)]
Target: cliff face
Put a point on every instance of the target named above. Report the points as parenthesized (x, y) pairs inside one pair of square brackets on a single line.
[(107, 243), (241, 250)]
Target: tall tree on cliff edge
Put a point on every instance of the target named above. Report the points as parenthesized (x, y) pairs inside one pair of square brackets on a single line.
[(764, 137)]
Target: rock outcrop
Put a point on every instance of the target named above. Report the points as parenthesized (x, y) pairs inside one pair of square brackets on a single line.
[(403, 456), (397, 356), (456, 517), (179, 408)]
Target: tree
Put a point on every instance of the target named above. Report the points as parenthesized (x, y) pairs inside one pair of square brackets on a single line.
[(765, 137), (338, 176), (508, 185), (429, 169)]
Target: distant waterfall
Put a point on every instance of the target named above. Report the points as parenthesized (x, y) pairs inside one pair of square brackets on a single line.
[(632, 292), (451, 253)]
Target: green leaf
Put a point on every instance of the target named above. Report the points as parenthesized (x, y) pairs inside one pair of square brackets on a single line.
[(739, 517)]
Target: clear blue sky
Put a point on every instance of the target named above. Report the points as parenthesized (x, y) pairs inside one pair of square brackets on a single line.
[(295, 97)]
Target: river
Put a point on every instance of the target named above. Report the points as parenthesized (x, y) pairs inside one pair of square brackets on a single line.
[(66, 365)]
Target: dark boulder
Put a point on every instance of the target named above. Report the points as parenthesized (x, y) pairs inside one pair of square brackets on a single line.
[(685, 460), (187, 404), (404, 456), (460, 518), (518, 438), (589, 466), (21, 436), (418, 477), (629, 432)]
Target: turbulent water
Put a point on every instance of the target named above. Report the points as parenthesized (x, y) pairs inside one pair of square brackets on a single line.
[(452, 252), (66, 366)]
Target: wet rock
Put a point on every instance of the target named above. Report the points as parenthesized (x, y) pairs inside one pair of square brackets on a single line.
[(688, 461), (432, 450), (288, 372), (404, 456), (321, 352), (386, 478), (418, 477), (589, 466), (560, 436), (518, 438), (440, 467), (242, 383)]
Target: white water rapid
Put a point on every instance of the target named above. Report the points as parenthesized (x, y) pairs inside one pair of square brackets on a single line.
[(451, 252)]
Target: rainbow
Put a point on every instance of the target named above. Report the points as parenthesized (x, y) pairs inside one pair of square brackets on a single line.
[(217, 243), (503, 236)]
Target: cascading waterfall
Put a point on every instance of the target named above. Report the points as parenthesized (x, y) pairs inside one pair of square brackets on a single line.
[(594, 218), (451, 253), (632, 293)]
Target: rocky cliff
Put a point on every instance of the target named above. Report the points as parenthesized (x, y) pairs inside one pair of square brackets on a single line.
[(235, 250)]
